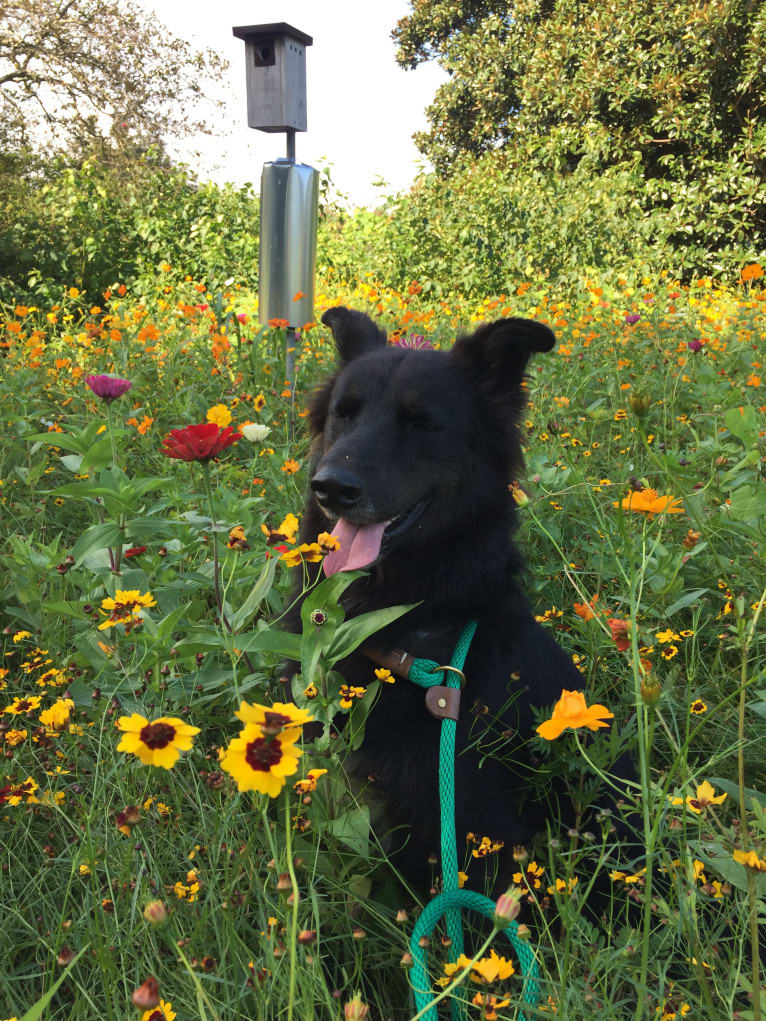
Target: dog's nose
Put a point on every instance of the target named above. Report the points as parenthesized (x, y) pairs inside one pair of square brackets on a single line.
[(337, 488)]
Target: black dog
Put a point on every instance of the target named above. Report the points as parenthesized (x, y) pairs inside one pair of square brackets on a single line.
[(414, 452)]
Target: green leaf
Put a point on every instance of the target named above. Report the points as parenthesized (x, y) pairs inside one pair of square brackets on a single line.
[(256, 596), (732, 790), (352, 633), (65, 609), (353, 829), (686, 599), (742, 422), (96, 537)]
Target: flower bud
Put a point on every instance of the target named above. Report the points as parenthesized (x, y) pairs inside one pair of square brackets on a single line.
[(307, 936), (155, 912), (520, 498), (355, 1009), (651, 690), (640, 404), (147, 995), (65, 956), (284, 882), (506, 909)]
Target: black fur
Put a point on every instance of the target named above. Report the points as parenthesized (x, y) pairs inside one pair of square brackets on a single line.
[(392, 430)]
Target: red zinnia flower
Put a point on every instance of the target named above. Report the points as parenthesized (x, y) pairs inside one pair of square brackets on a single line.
[(198, 442)]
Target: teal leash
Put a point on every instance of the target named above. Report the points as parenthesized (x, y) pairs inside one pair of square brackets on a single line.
[(427, 673)]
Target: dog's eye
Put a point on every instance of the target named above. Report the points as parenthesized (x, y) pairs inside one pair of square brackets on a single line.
[(416, 419)]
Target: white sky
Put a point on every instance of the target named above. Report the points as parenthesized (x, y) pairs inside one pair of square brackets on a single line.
[(362, 107)]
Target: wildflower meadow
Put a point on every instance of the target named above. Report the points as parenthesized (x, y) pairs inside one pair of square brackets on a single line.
[(178, 836)]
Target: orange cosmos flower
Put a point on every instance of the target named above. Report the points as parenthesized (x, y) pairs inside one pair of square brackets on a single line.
[(571, 713), (649, 502)]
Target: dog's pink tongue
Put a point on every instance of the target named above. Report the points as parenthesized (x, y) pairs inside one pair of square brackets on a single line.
[(359, 546)]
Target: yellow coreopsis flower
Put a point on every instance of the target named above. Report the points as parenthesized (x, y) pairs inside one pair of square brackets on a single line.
[(704, 796), (158, 743)]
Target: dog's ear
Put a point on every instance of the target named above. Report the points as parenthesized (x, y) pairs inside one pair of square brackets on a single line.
[(496, 355), (354, 332)]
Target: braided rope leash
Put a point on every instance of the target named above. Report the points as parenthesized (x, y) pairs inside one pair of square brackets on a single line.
[(426, 674)]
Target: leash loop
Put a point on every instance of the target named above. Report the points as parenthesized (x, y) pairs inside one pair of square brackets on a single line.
[(450, 902)]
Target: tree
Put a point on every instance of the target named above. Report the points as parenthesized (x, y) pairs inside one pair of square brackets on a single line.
[(679, 83), (82, 75)]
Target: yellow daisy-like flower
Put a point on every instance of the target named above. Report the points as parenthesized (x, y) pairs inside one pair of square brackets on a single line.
[(158, 743), (385, 675), (14, 793), (489, 969), (57, 715), (750, 860), (274, 718), (310, 552), (667, 636), (286, 532), (704, 796), (125, 607), (571, 712), (259, 762), (14, 737), (348, 692), (20, 635), (698, 707), (219, 414), (310, 783), (162, 1012), (19, 706)]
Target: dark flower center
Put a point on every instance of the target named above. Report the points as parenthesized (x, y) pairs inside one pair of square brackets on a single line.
[(157, 735), (23, 706), (273, 722), (261, 754)]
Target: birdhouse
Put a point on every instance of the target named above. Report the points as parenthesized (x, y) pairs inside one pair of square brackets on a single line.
[(275, 62)]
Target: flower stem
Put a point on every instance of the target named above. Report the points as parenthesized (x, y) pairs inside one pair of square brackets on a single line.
[(213, 535), (294, 915)]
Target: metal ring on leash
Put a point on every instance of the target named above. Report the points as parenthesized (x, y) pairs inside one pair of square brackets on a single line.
[(453, 669)]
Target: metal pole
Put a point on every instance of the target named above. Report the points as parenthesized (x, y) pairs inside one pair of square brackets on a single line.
[(290, 334)]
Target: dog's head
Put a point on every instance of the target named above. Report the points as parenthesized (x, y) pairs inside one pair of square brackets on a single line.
[(413, 444)]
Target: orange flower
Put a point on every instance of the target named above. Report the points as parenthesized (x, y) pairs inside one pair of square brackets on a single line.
[(620, 631), (290, 466), (752, 272), (585, 610), (571, 713), (278, 324), (648, 501)]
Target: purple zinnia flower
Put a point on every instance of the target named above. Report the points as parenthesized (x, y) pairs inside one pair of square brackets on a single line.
[(632, 320), (694, 345), (415, 341), (108, 388)]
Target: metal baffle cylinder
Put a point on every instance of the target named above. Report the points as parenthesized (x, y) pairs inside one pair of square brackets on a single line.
[(287, 261)]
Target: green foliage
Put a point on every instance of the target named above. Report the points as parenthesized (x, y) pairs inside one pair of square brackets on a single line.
[(667, 96), (91, 225)]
